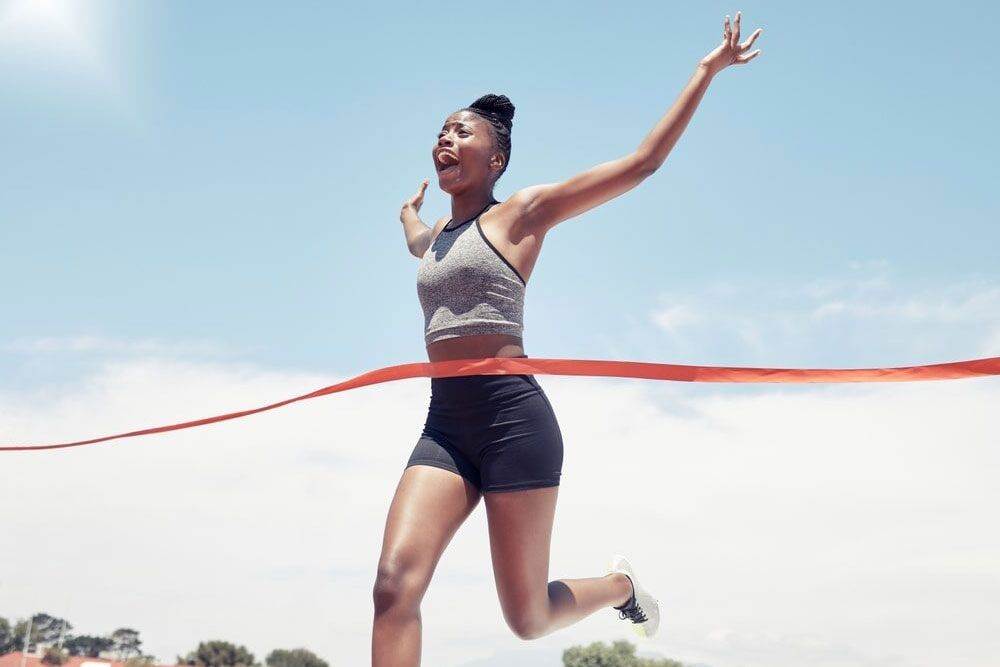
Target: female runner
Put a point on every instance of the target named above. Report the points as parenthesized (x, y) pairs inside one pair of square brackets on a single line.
[(496, 436)]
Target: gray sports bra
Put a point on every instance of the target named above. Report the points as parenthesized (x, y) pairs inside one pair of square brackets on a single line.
[(466, 287)]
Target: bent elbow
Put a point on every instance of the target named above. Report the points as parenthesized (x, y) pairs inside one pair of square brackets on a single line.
[(645, 167), (645, 164)]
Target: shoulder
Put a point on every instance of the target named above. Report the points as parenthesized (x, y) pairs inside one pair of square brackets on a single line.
[(438, 226), (514, 213), (431, 233), (426, 238)]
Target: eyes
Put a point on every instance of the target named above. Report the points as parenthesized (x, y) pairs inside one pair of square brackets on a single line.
[(461, 133)]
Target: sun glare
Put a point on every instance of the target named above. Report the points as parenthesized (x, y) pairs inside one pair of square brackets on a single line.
[(36, 31)]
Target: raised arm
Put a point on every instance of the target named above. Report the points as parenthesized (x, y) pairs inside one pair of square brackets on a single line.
[(418, 235), (544, 206)]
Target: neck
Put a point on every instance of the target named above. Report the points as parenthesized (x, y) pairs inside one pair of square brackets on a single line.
[(468, 204)]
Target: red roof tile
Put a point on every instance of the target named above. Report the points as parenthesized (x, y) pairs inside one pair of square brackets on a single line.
[(14, 660)]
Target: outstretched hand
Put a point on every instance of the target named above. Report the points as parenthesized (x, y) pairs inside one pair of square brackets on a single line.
[(417, 200), (730, 51)]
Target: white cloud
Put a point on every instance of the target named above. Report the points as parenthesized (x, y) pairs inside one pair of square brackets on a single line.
[(100, 344), (816, 524), (760, 647), (991, 345), (672, 318), (864, 317)]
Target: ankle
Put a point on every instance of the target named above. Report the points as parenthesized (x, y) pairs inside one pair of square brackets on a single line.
[(627, 588)]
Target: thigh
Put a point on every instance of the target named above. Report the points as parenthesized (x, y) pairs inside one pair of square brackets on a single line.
[(434, 448), (427, 509), (523, 446), (520, 527)]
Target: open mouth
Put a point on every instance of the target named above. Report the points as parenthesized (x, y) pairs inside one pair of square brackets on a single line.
[(446, 162)]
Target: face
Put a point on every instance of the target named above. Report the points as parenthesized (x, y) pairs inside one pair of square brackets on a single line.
[(469, 160)]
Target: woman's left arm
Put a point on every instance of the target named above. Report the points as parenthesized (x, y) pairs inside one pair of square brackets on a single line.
[(544, 206)]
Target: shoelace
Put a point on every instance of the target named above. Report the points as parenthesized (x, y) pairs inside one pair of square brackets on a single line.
[(633, 612)]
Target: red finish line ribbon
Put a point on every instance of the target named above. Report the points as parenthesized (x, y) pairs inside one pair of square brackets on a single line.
[(626, 369)]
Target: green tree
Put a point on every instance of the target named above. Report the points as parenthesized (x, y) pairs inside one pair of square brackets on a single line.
[(6, 636), (54, 656), (18, 640), (217, 653), (49, 628), (620, 654), (88, 646), (298, 657), (126, 642), (45, 629), (140, 661)]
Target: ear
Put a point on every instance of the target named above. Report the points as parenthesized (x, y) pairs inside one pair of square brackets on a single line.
[(497, 161)]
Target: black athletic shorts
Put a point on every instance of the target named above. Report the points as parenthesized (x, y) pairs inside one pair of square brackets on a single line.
[(497, 431)]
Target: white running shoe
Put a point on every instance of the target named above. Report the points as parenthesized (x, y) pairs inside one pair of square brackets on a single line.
[(642, 609)]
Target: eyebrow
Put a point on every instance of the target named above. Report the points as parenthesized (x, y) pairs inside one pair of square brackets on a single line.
[(457, 122)]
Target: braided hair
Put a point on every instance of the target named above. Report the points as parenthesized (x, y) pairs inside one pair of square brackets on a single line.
[(499, 111)]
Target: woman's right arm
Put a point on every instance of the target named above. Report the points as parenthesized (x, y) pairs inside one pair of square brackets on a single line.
[(418, 235)]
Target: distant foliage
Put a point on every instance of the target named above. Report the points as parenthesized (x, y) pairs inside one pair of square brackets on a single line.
[(87, 646), (126, 643), (620, 654), (54, 656), (6, 636), (17, 641), (217, 653), (298, 657), (47, 629), (140, 661)]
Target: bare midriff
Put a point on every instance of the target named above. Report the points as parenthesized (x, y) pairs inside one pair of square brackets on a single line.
[(475, 347)]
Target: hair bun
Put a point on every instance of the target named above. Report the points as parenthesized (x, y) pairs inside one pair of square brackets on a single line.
[(497, 105)]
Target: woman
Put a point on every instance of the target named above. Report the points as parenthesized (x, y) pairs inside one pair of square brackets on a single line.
[(496, 436)]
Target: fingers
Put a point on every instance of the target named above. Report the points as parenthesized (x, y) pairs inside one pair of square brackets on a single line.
[(731, 33), (417, 199), (747, 44), (731, 38)]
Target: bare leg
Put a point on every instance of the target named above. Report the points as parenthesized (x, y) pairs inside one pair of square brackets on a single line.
[(429, 506), (520, 525)]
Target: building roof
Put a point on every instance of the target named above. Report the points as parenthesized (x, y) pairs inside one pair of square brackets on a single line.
[(14, 660)]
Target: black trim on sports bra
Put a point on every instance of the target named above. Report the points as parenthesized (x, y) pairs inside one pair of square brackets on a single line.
[(475, 217), (493, 248)]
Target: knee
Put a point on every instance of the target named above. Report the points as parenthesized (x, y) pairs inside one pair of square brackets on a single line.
[(396, 588), (527, 627)]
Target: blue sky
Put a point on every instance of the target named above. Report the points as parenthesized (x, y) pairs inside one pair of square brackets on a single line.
[(232, 174), (218, 185)]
